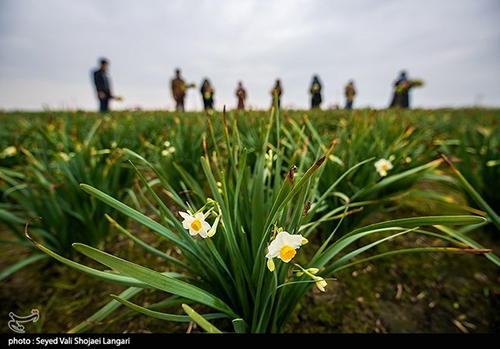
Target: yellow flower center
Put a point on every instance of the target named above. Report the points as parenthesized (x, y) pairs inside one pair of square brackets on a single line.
[(196, 225), (384, 166), (287, 252)]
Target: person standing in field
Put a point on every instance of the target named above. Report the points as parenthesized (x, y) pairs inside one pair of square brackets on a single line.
[(179, 88), (102, 85), (315, 92), (401, 98), (350, 92), (207, 93), (276, 93), (241, 94)]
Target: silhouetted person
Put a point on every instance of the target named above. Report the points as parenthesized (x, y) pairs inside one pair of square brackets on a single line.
[(207, 93), (350, 92), (102, 85), (241, 93), (179, 88), (401, 98), (315, 92), (276, 93)]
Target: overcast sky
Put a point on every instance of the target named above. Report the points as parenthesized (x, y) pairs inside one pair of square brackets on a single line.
[(48, 49)]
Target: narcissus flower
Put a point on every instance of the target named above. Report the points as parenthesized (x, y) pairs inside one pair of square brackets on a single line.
[(284, 247), (311, 272), (382, 166), (10, 151), (320, 283), (195, 224), (64, 156)]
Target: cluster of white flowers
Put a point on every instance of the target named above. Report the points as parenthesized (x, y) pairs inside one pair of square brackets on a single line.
[(169, 149), (284, 246)]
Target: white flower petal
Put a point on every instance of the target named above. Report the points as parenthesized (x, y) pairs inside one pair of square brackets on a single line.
[(273, 254), (294, 240), (186, 223), (205, 226), (185, 215), (203, 233), (274, 248), (282, 237)]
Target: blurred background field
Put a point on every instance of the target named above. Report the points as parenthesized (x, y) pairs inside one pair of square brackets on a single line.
[(44, 156)]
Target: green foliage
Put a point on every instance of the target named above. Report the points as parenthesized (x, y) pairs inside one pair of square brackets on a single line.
[(252, 177)]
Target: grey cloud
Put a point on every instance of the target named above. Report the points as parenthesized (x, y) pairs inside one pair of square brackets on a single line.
[(47, 50)]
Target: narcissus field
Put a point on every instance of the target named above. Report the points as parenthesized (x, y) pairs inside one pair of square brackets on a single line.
[(252, 222)]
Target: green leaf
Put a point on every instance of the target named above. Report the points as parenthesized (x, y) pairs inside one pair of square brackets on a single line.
[(162, 178), (467, 240), (411, 250), (105, 311), (130, 212), (113, 277), (387, 181), (334, 185), (360, 250), (422, 221), (155, 279), (21, 264), (200, 320), (475, 195), (239, 325), (160, 315), (147, 247), (397, 224)]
